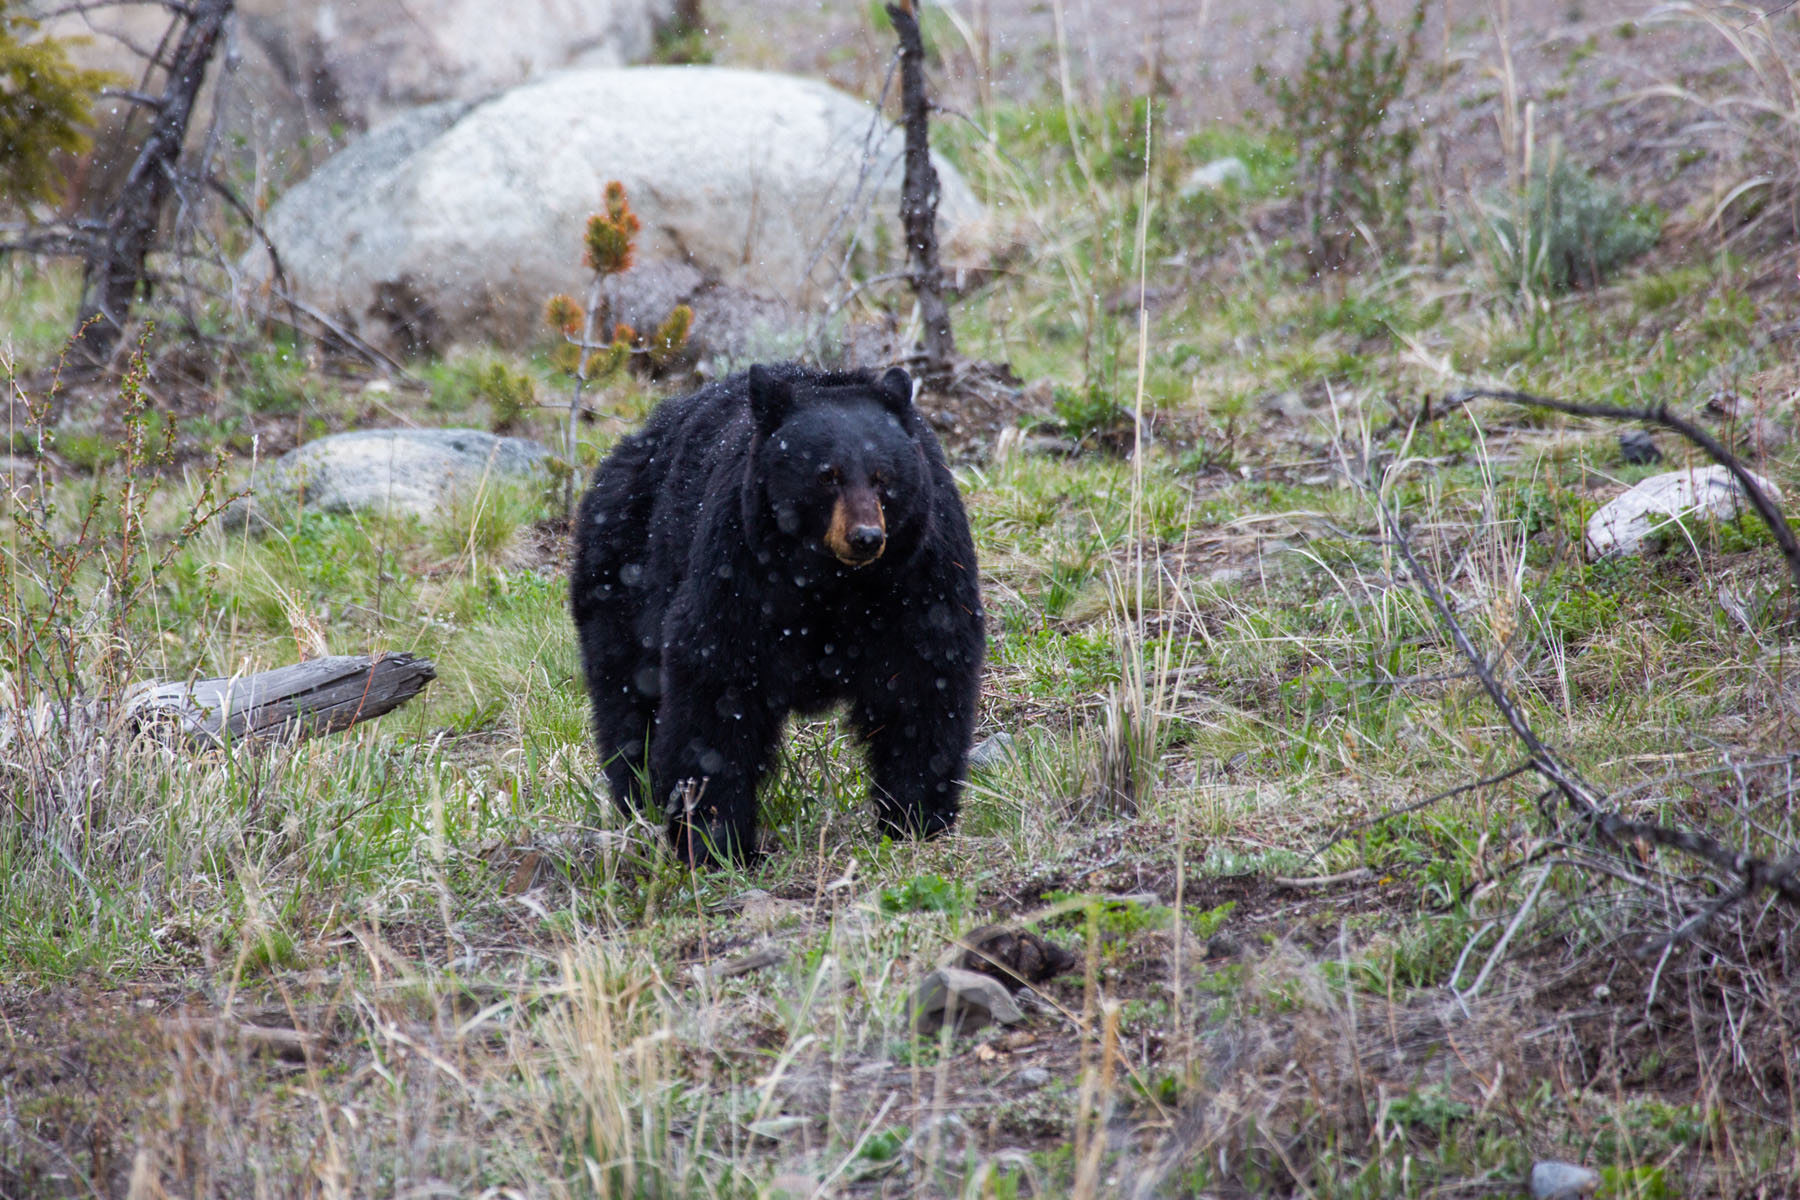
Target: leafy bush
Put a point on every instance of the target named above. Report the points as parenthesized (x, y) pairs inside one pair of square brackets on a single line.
[(1574, 231), (924, 893), (1354, 162), (75, 589)]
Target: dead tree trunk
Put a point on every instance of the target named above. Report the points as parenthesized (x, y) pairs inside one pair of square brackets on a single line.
[(919, 198), (320, 695), (116, 272)]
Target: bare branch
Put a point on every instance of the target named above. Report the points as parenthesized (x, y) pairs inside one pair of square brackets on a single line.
[(1416, 805), (1604, 823)]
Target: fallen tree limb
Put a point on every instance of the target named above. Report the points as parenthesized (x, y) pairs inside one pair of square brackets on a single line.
[(321, 695), (1754, 874)]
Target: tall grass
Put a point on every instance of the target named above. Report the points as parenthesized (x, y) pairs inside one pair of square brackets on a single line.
[(1752, 115)]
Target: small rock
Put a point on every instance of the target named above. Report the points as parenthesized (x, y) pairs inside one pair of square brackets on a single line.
[(1562, 1181), (1212, 176), (1034, 1077), (1221, 946), (947, 1133), (1289, 405), (777, 1128), (1051, 447), (991, 752), (1638, 447), (972, 999), (1722, 403), (1624, 524)]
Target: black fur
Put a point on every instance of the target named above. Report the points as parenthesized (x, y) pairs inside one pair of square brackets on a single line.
[(710, 603)]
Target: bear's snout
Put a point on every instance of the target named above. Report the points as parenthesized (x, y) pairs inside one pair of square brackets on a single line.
[(858, 532), (865, 541)]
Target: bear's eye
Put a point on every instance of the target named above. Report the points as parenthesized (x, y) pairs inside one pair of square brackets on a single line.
[(879, 480), (829, 475)]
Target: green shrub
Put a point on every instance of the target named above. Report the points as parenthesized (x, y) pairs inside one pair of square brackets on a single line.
[(1354, 163), (1575, 231), (45, 104), (510, 395)]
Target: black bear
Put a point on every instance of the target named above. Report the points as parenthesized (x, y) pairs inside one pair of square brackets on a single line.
[(775, 542)]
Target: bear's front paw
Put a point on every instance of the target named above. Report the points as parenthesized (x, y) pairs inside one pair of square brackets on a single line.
[(915, 824)]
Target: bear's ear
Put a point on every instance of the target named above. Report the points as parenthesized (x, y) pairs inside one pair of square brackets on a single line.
[(771, 398), (896, 390)]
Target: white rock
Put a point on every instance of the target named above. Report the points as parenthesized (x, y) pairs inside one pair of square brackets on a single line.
[(1562, 1181), (461, 220), (1624, 524), (401, 471), (1212, 176)]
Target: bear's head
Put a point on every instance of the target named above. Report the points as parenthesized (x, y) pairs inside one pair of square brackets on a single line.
[(837, 460)]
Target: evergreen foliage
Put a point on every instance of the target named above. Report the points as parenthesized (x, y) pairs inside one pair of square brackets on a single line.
[(45, 105), (1355, 164), (1576, 231)]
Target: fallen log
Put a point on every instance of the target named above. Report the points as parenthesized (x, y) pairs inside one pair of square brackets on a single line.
[(320, 695)]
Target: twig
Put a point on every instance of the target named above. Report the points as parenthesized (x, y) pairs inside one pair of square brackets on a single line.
[(1755, 874), (1416, 805), (919, 197)]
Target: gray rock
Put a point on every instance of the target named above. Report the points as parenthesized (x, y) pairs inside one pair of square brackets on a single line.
[(991, 752), (400, 471), (1562, 1181), (458, 225), (1624, 525), (1638, 447), (945, 1137), (976, 1000), (296, 73), (1034, 1077), (1215, 175)]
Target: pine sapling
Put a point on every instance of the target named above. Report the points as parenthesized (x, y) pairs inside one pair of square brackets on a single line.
[(610, 242)]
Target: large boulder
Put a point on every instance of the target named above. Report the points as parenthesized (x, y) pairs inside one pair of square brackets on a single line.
[(299, 73), (456, 221)]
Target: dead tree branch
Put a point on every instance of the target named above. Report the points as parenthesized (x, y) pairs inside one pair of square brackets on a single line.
[(116, 270), (1754, 874), (919, 197), (320, 695)]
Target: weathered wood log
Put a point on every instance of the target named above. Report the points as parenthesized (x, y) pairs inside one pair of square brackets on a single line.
[(321, 695)]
